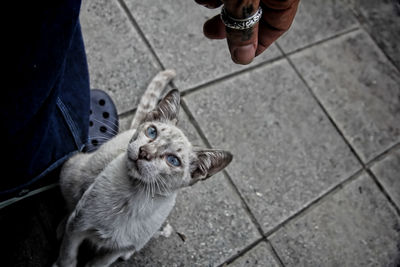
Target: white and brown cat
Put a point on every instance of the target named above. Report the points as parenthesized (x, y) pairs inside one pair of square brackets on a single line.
[(121, 194)]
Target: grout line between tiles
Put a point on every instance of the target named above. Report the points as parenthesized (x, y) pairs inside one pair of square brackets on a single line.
[(383, 155), (265, 63), (128, 113), (383, 190), (244, 204), (274, 253), (220, 79), (371, 163), (208, 144), (231, 75), (297, 50), (140, 32), (194, 123), (227, 176), (244, 251), (333, 191), (364, 166), (315, 203), (326, 113), (241, 252), (360, 18)]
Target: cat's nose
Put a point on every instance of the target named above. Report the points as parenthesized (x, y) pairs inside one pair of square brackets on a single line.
[(144, 153)]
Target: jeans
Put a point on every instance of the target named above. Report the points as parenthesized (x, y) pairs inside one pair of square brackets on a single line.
[(45, 110)]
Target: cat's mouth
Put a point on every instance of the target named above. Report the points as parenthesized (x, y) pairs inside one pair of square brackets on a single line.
[(133, 163)]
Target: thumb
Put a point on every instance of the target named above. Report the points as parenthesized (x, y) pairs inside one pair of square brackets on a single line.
[(242, 43)]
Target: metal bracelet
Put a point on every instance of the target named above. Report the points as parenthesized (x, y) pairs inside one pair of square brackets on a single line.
[(240, 24)]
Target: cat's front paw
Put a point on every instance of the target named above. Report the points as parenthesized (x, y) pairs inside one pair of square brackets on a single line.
[(127, 255), (69, 263)]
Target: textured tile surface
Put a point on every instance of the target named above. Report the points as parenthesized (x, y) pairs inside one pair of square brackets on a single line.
[(387, 171), (315, 21), (260, 255), (353, 227), (286, 152), (119, 62), (358, 87), (210, 216), (382, 20), (174, 28)]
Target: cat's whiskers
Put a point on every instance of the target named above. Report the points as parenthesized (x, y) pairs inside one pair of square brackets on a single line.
[(165, 188), (157, 184), (108, 121), (101, 138), (143, 188), (151, 199), (90, 149), (152, 192), (153, 182), (149, 195)]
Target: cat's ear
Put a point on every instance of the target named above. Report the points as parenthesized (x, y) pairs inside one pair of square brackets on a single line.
[(167, 109), (207, 163)]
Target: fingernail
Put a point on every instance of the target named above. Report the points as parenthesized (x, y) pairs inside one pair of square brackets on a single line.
[(244, 54)]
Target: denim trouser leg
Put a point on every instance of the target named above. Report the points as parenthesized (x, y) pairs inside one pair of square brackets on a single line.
[(45, 109)]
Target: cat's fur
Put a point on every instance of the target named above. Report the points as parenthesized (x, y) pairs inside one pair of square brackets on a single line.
[(121, 194)]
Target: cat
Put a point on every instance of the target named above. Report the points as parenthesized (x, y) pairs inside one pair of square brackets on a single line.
[(120, 195)]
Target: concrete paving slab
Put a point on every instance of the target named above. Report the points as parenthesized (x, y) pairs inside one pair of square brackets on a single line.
[(381, 19), (209, 216), (315, 21), (174, 29), (387, 171), (353, 227), (286, 152), (260, 255), (358, 87), (119, 61)]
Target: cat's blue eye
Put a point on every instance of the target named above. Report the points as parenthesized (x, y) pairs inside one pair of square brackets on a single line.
[(151, 132), (173, 160)]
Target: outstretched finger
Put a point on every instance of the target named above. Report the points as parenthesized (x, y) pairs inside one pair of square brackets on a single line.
[(242, 43), (209, 3), (276, 20)]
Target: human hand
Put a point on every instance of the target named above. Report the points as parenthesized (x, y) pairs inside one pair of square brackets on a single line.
[(244, 45)]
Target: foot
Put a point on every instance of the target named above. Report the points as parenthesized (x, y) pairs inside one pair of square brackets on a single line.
[(103, 120), (127, 255)]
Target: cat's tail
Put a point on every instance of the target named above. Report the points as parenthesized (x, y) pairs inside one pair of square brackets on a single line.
[(149, 100)]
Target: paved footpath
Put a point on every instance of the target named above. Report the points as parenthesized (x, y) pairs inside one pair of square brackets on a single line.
[(313, 123)]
